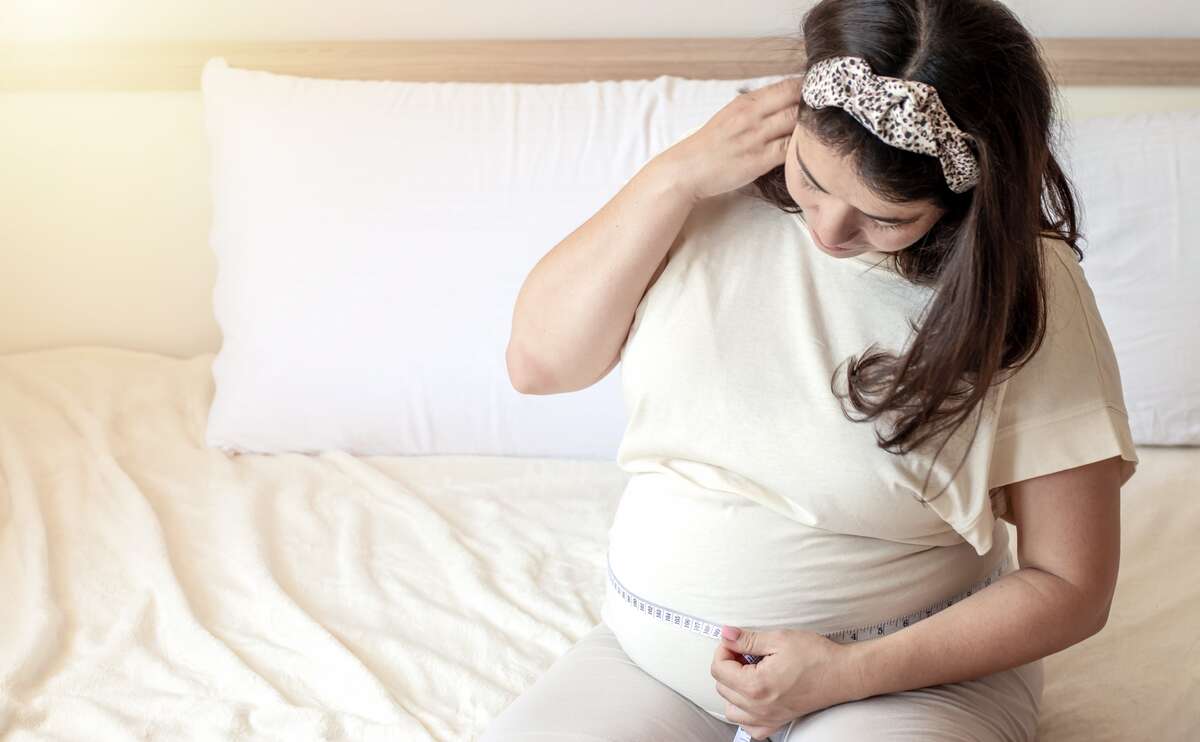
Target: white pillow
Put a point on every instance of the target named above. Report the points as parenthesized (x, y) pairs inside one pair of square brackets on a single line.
[(371, 238), (1138, 177)]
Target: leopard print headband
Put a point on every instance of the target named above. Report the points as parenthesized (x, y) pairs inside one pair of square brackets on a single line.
[(904, 113)]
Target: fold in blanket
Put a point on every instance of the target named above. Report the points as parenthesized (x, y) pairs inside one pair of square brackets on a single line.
[(156, 589)]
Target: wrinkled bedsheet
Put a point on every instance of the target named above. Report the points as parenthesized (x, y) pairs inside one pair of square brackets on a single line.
[(154, 589)]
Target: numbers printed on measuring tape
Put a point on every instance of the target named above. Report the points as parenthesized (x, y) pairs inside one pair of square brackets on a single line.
[(858, 633)]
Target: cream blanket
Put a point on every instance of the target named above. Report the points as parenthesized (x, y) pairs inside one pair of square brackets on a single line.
[(154, 589)]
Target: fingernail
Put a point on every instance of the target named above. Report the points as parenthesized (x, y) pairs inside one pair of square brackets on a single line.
[(730, 632)]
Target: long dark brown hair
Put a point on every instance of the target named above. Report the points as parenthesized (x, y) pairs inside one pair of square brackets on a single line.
[(983, 257)]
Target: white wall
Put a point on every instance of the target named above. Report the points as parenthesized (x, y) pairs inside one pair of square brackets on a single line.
[(362, 19)]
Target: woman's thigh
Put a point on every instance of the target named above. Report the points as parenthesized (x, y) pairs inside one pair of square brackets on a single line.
[(596, 692), (1001, 707)]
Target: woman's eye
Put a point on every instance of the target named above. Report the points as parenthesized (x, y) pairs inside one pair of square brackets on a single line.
[(878, 225)]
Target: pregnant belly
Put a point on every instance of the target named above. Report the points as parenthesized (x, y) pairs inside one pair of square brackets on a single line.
[(727, 560)]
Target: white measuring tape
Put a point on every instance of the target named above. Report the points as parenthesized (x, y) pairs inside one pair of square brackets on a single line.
[(842, 636)]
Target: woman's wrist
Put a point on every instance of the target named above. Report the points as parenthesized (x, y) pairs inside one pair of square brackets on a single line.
[(854, 676)]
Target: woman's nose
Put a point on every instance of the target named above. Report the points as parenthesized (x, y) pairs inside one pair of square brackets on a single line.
[(835, 226)]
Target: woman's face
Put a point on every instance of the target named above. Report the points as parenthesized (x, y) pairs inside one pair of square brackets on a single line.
[(843, 216)]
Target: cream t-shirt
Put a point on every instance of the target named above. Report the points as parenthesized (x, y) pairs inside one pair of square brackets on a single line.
[(753, 500)]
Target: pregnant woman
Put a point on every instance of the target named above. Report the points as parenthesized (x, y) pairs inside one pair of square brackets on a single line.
[(854, 337)]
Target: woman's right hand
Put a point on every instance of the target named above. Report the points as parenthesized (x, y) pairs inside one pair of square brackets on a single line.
[(743, 140)]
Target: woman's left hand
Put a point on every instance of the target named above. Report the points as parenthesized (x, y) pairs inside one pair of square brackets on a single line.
[(800, 672)]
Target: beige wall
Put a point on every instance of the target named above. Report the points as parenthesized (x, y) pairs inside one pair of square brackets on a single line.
[(104, 215)]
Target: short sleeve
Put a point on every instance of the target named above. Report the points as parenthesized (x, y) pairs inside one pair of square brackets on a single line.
[(1065, 407)]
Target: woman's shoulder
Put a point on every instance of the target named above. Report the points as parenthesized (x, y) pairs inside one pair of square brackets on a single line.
[(743, 209), (1068, 293), (1076, 355), (727, 219)]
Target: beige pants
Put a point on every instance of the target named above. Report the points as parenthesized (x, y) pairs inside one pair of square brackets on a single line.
[(596, 693)]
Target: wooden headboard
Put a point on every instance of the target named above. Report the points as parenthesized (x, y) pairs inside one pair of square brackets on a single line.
[(176, 65)]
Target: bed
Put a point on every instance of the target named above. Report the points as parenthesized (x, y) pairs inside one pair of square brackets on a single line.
[(160, 588)]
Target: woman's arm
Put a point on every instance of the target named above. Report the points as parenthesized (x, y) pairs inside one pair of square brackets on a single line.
[(1068, 546)]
